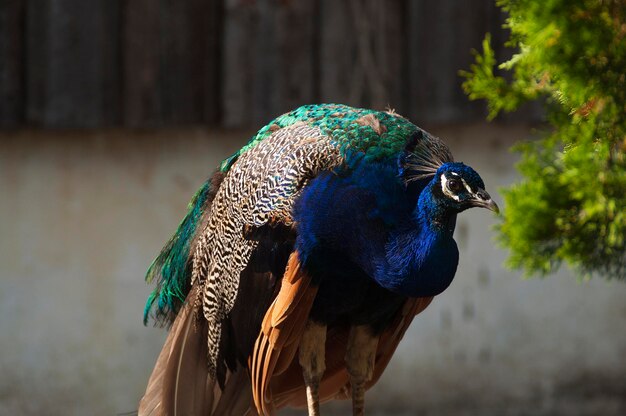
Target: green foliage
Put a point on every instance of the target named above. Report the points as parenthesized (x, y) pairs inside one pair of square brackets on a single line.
[(570, 206)]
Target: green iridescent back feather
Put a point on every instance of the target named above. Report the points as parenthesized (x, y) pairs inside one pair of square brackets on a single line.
[(340, 122), (171, 267), (348, 127)]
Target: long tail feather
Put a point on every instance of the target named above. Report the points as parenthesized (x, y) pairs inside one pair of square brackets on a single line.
[(236, 398), (186, 378), (180, 383)]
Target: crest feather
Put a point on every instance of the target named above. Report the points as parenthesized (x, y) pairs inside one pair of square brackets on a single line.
[(425, 156)]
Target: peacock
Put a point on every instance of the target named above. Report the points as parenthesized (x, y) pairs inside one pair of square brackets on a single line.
[(302, 261)]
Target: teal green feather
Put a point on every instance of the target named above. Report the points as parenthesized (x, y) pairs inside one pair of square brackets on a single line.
[(171, 267)]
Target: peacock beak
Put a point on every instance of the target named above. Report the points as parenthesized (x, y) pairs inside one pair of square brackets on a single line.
[(492, 206), (483, 200)]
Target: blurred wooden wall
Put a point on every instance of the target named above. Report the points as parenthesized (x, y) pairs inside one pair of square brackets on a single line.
[(153, 63)]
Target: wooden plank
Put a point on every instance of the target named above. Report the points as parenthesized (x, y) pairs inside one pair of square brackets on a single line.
[(188, 57), (249, 58), (363, 53), (212, 28), (289, 73), (111, 55), (70, 77), (146, 63), (75, 37), (141, 64), (391, 47), (239, 30), (338, 81), (37, 62), (438, 51), (471, 22), (268, 59), (181, 88), (172, 62), (264, 56), (431, 75), (11, 63)]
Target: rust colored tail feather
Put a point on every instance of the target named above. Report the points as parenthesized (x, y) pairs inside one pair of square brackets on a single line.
[(277, 377), (282, 328)]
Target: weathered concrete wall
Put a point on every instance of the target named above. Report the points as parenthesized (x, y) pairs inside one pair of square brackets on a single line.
[(82, 216)]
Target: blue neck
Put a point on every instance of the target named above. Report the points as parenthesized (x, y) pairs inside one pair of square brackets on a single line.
[(422, 256), (430, 215)]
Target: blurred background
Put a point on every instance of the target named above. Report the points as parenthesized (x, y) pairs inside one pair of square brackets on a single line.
[(112, 113)]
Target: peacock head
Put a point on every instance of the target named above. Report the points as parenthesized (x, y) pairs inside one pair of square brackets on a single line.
[(456, 187)]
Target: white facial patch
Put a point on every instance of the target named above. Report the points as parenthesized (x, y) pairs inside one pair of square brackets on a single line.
[(447, 192), (444, 187)]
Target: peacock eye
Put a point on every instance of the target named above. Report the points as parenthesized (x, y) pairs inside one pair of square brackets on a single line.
[(454, 185)]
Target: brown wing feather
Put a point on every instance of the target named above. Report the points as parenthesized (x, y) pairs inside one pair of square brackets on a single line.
[(281, 331)]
